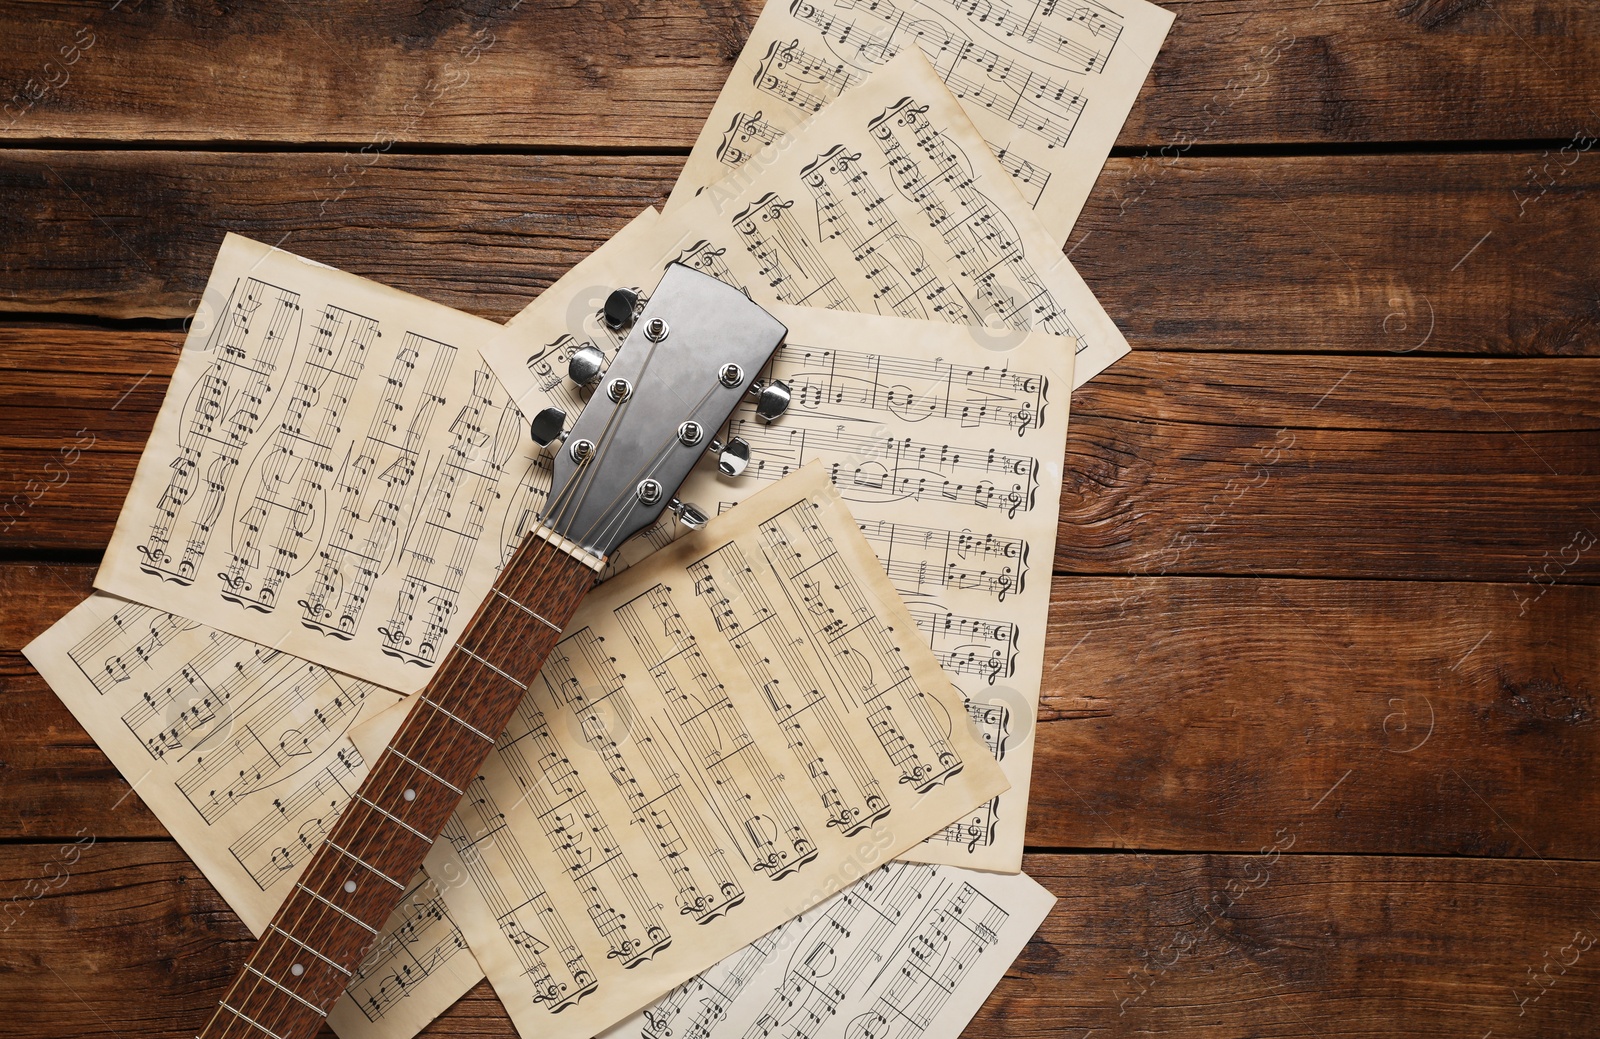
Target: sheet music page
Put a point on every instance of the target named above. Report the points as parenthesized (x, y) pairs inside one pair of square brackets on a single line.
[(952, 469), (245, 754), (908, 951), (1047, 84), (241, 750), (733, 729), (333, 472), (887, 202), (946, 441)]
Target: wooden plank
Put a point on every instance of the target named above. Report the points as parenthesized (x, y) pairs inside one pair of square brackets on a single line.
[(543, 73), (1224, 946), (1386, 717), (1430, 468), (1394, 254), (80, 405), (33, 595), (1303, 946), (1356, 254), (53, 778), (1177, 714), (497, 72), (1393, 467), (134, 234)]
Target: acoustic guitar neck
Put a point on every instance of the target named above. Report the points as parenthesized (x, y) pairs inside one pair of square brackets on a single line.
[(358, 876), (694, 353)]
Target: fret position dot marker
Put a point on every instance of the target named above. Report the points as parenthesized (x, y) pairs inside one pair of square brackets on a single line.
[(297, 970), (409, 795), (350, 887)]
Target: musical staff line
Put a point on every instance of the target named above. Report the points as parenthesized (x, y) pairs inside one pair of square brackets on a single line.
[(886, 469)]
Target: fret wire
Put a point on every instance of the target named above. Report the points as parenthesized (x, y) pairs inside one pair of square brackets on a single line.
[(247, 1019), (425, 770), (491, 667), (347, 973), (349, 916), (288, 992), (459, 721), (336, 908), (532, 613), (531, 544), (392, 817), (368, 865), (528, 548), (518, 561)]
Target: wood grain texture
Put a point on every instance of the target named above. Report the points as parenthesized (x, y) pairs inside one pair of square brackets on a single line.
[(1388, 255), (1384, 254), (1441, 468), (1349, 368), (1385, 717), (1188, 713), (611, 73), (134, 234), (1214, 945), (1391, 467)]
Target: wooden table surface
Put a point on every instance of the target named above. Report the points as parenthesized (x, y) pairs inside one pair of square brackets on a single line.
[(1318, 750)]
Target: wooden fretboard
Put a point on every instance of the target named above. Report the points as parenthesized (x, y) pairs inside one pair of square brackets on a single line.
[(304, 962)]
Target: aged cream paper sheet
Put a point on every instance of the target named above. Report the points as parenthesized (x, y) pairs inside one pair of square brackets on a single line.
[(728, 732), (333, 472), (887, 202), (244, 754), (1047, 84), (241, 750), (947, 442), (908, 951)]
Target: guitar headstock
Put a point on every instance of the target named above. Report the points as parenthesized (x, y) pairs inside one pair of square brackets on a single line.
[(693, 352)]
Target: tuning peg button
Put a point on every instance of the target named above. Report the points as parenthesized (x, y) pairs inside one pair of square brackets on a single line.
[(586, 364), (619, 308), (732, 457), (691, 516), (549, 426), (772, 398)]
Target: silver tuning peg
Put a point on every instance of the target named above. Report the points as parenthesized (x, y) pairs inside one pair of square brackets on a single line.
[(549, 426), (772, 398), (586, 364), (732, 457), (688, 514)]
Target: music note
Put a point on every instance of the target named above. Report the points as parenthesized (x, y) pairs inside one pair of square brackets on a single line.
[(896, 955), (339, 476), (1046, 84), (731, 812), (748, 133)]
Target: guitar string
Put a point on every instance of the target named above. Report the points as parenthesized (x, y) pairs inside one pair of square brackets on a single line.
[(553, 512), (649, 469), (666, 442), (324, 914), (556, 509), (617, 412)]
